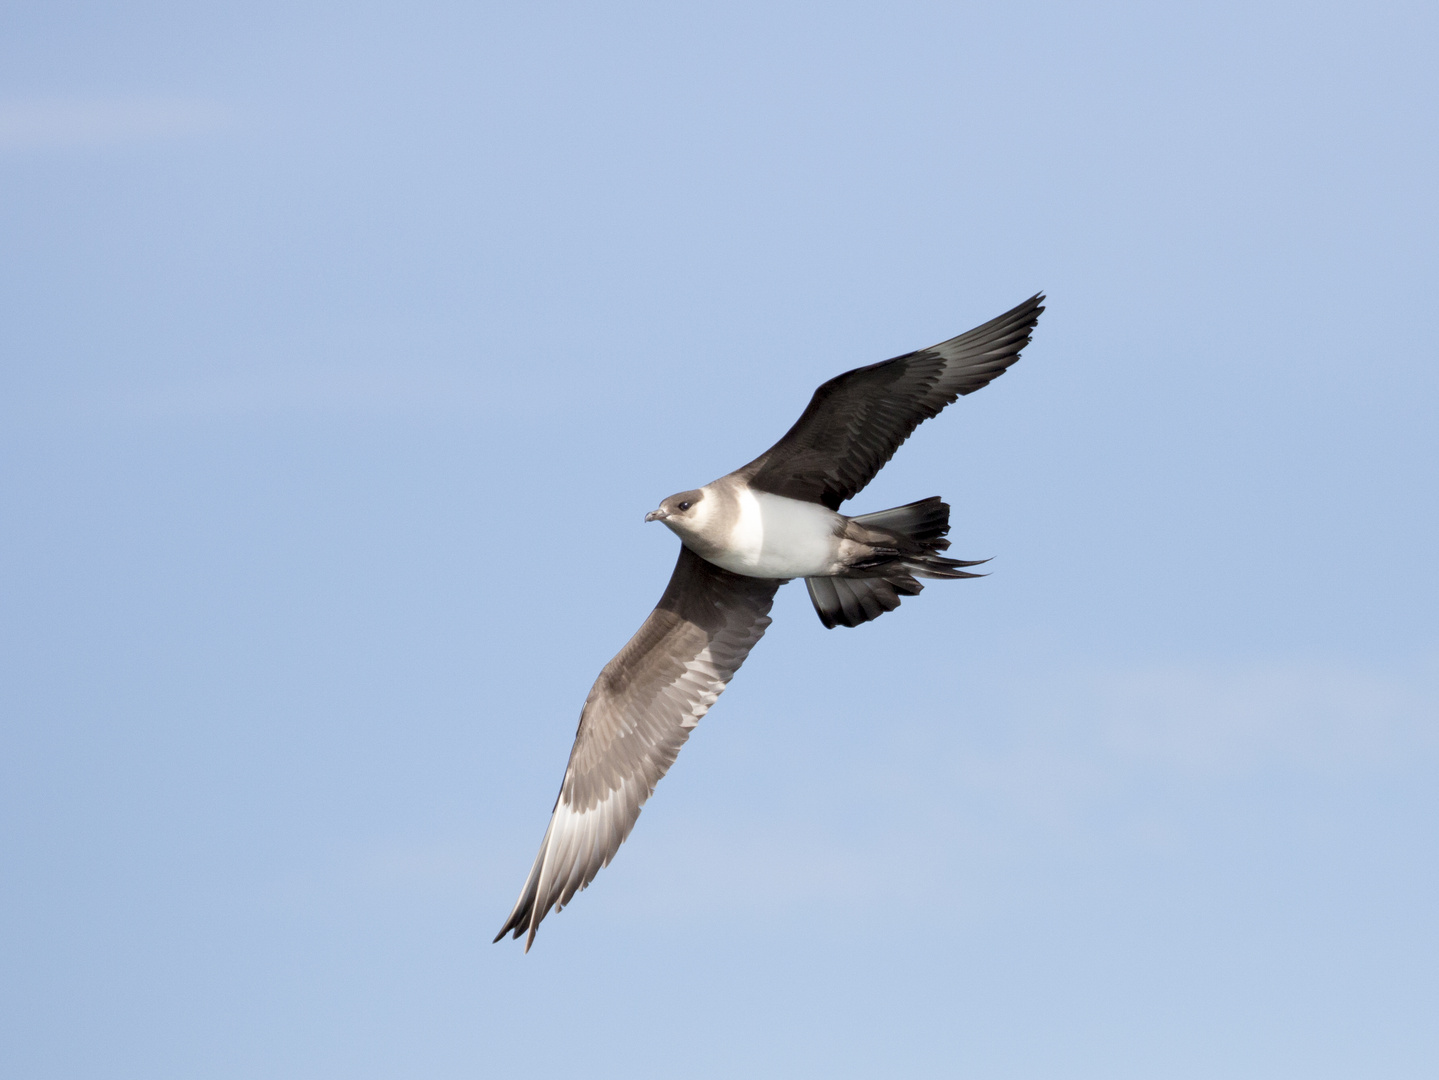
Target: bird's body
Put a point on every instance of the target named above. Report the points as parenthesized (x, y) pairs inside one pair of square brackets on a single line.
[(744, 535), (761, 535)]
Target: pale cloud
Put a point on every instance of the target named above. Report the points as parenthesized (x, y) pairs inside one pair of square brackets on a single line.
[(1079, 732), (332, 390), (1095, 761), (1310, 716), (84, 123), (424, 867), (338, 389)]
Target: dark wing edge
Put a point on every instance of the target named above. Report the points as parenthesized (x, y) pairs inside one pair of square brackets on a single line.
[(641, 710), (856, 421)]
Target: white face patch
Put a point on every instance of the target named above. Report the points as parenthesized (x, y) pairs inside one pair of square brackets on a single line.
[(693, 525), (701, 513)]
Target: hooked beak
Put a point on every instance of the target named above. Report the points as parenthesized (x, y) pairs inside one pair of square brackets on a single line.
[(657, 515)]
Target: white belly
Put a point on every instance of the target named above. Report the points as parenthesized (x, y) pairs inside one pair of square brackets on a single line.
[(775, 537)]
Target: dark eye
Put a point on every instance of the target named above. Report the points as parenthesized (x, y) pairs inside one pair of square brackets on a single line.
[(684, 506)]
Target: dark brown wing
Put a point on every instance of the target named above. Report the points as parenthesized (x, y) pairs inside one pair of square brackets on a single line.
[(856, 421), (641, 710)]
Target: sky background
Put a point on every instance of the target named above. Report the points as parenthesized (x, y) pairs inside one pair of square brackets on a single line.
[(343, 348)]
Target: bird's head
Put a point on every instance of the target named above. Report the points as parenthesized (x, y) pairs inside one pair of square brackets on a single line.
[(680, 512)]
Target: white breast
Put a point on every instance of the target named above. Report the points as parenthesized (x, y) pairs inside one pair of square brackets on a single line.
[(775, 537)]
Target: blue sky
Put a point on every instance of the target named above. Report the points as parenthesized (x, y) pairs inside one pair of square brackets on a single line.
[(344, 348)]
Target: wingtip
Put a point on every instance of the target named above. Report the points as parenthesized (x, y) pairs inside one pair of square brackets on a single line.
[(529, 939)]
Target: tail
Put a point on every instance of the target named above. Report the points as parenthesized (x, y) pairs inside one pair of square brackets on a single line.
[(906, 541)]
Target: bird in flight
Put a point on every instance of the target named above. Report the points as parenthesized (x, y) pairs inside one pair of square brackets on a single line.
[(744, 535)]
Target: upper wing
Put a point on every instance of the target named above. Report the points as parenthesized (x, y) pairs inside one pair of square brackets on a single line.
[(641, 710), (856, 421)]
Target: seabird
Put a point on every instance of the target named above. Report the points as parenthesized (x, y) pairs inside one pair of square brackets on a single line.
[(743, 536)]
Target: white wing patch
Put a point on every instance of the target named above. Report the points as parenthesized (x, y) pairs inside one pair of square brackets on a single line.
[(702, 678)]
